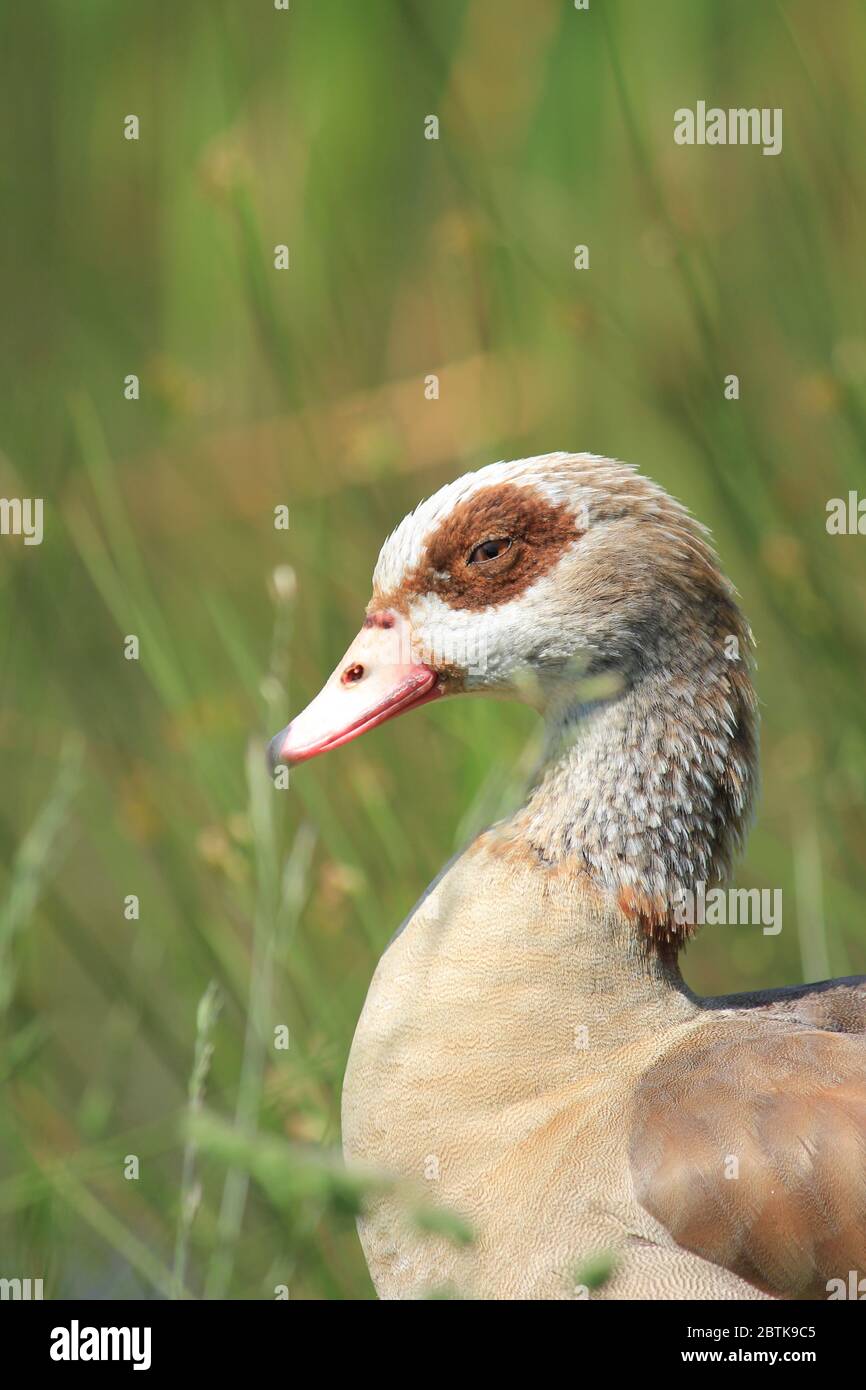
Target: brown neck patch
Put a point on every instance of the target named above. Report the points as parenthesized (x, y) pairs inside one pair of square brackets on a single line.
[(538, 531)]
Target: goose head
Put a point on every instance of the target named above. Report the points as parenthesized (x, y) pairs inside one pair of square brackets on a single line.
[(577, 585)]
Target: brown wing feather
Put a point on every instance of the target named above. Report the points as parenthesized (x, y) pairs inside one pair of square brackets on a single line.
[(749, 1146)]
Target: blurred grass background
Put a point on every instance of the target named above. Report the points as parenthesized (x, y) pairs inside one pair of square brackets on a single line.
[(306, 388)]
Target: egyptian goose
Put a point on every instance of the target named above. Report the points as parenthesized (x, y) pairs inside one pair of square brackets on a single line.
[(528, 1046)]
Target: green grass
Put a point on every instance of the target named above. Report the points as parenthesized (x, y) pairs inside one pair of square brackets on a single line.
[(305, 388)]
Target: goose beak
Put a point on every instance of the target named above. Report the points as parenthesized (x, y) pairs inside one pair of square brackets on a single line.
[(378, 678)]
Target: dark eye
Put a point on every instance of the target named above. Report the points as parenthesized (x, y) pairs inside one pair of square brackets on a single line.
[(488, 550)]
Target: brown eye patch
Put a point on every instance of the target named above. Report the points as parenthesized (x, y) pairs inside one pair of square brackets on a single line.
[(492, 547)]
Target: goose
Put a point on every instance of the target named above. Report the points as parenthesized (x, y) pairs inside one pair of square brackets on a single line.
[(528, 1051)]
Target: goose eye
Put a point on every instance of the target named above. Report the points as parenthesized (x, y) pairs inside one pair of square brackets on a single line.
[(488, 550)]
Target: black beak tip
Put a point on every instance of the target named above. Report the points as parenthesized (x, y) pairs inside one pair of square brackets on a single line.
[(273, 752)]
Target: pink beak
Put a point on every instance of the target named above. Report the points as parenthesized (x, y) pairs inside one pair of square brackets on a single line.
[(377, 679)]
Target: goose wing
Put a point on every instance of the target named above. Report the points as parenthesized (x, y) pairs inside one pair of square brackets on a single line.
[(748, 1142)]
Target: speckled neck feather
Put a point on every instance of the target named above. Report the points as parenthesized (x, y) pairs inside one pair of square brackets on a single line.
[(650, 791)]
